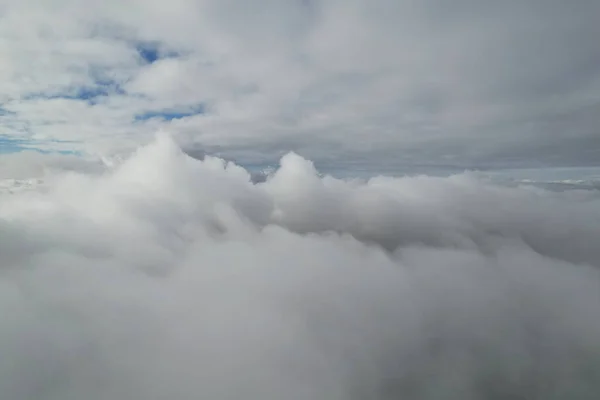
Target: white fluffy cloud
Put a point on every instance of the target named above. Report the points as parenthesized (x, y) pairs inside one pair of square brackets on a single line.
[(374, 83), (163, 276)]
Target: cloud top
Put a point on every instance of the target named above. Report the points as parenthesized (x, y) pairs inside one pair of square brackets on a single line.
[(164, 276)]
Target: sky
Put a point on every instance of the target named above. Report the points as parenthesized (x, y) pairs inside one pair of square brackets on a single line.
[(355, 85), (300, 200)]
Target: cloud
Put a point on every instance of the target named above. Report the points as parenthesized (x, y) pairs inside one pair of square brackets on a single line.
[(33, 164), (164, 276), (381, 84)]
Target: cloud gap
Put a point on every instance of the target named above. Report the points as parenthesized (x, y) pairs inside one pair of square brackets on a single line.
[(150, 52), (171, 114)]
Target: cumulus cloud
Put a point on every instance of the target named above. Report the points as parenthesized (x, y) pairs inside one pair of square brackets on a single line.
[(164, 276)]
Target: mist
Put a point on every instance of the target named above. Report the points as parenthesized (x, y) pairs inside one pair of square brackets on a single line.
[(167, 277)]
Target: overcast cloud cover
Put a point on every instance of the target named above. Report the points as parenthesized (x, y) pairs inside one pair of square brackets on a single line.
[(368, 84), (145, 266)]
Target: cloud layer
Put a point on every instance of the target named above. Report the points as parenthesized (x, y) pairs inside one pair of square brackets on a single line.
[(164, 276), (365, 84)]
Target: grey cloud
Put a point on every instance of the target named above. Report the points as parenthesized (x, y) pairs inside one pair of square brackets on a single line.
[(469, 83), (32, 164)]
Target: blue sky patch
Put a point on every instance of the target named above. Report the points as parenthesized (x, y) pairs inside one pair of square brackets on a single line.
[(10, 145), (90, 94), (169, 115), (148, 54), (63, 152), (151, 52)]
